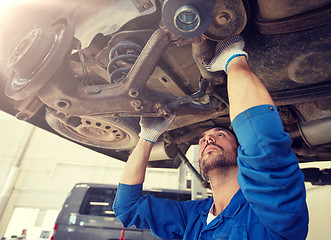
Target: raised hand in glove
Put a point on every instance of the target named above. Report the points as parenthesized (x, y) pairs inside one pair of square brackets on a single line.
[(226, 51), (152, 128)]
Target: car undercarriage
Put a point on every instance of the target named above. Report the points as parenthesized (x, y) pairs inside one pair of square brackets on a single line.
[(88, 70)]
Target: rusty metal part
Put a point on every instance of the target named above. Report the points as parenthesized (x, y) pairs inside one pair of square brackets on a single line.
[(315, 92), (188, 137), (229, 19), (311, 49), (142, 5), (26, 81), (204, 51), (71, 121), (187, 116), (72, 98), (110, 98), (147, 60), (28, 108), (90, 59), (179, 101), (296, 23), (78, 46), (137, 105), (287, 115), (133, 93), (165, 82), (179, 67), (162, 110), (280, 9)]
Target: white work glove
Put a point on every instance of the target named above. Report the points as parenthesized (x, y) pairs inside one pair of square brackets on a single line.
[(153, 127), (226, 51)]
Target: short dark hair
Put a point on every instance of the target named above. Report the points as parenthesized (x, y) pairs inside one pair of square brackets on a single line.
[(228, 129)]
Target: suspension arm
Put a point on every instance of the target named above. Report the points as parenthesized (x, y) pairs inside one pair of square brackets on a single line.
[(148, 58), (128, 97)]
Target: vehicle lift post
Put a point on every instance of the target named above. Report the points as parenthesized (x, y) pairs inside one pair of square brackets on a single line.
[(198, 189)]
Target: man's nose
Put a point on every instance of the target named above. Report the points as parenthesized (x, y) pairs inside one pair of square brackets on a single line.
[(210, 139)]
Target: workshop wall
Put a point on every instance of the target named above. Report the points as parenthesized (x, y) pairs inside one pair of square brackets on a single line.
[(43, 168)]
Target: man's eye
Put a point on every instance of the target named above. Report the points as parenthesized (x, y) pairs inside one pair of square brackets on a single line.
[(221, 134)]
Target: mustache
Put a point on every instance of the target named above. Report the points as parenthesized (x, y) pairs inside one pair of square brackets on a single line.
[(214, 144)]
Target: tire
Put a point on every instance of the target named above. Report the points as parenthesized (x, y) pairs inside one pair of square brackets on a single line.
[(103, 132)]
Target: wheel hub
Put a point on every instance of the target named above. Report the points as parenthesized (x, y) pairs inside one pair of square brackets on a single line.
[(100, 131), (37, 58)]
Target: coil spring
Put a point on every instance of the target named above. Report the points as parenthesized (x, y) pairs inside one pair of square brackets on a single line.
[(121, 59)]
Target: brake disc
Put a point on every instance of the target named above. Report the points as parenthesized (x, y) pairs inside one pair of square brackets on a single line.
[(37, 58)]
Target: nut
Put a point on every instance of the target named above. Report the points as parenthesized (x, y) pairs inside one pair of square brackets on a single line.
[(133, 93), (135, 103), (222, 18)]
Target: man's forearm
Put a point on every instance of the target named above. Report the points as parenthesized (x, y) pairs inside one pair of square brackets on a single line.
[(135, 168), (245, 89)]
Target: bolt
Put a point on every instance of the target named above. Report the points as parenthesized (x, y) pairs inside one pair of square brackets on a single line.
[(138, 108), (146, 6), (162, 110), (135, 103), (63, 104), (166, 137), (22, 116), (93, 90), (133, 93), (222, 18)]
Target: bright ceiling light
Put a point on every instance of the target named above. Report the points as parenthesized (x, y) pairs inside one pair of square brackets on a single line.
[(6, 3)]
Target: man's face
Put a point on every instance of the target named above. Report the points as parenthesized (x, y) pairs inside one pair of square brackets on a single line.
[(218, 149)]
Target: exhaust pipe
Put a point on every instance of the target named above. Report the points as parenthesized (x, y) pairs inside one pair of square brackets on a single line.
[(314, 133), (163, 151)]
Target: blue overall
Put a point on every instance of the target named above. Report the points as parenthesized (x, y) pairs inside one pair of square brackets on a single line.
[(270, 203)]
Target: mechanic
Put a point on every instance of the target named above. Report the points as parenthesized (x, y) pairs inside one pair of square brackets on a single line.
[(258, 188)]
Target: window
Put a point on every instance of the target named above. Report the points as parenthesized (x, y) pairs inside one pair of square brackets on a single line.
[(99, 201)]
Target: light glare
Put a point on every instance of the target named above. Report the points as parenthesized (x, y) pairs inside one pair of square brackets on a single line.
[(99, 203)]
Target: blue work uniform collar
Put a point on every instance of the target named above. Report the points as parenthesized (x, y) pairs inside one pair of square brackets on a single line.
[(230, 211)]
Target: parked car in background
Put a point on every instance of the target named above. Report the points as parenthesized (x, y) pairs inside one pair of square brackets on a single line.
[(87, 70), (87, 214)]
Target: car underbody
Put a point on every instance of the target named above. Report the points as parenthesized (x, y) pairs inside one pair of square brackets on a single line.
[(88, 70)]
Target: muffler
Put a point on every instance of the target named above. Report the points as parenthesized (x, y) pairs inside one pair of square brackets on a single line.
[(315, 132)]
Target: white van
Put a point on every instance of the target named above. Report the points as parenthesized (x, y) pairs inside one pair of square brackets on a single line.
[(87, 214)]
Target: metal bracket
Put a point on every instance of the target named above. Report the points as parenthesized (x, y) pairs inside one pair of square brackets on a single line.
[(142, 5)]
